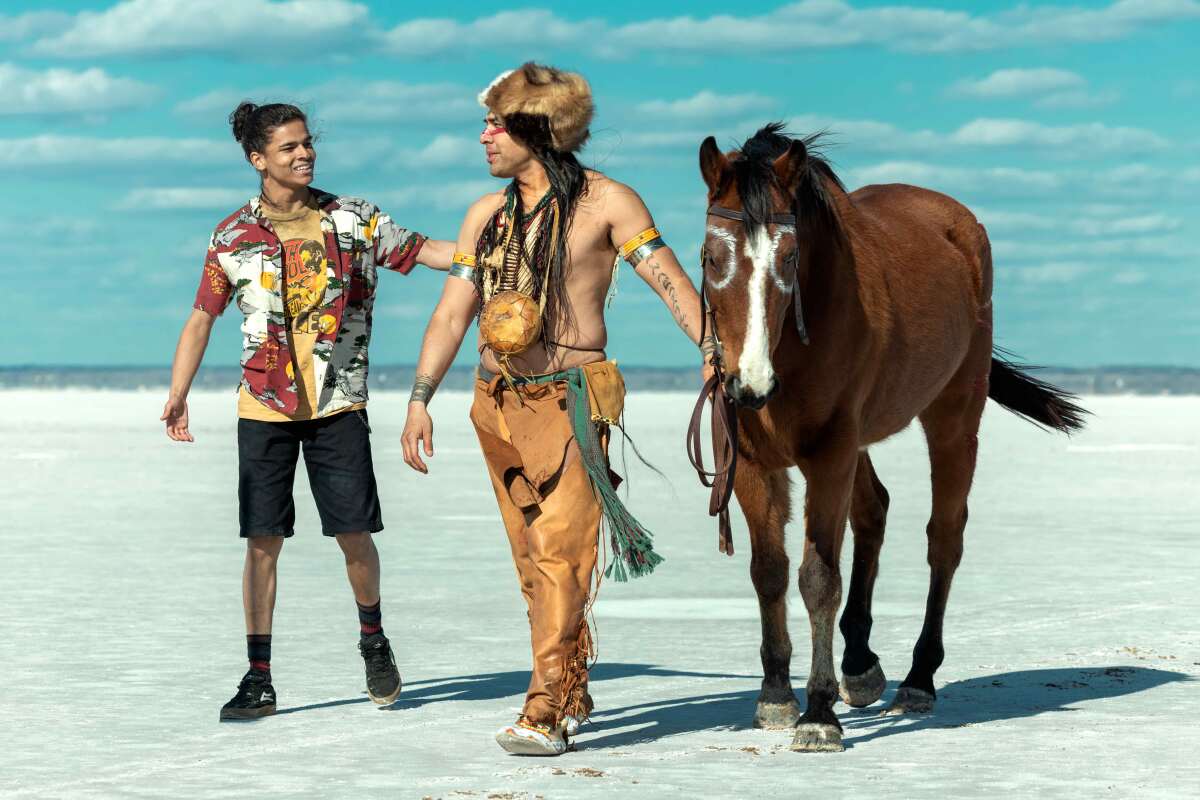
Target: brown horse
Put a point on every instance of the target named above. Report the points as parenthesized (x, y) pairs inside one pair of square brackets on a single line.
[(841, 317)]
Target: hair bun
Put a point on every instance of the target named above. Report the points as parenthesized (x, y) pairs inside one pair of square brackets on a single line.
[(240, 119)]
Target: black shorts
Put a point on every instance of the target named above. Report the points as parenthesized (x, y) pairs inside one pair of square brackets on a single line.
[(337, 455)]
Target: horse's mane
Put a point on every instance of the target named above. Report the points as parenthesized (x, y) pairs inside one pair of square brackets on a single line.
[(754, 173)]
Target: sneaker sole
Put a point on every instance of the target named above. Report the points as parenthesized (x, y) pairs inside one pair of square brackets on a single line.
[(384, 701), (521, 746), (246, 713)]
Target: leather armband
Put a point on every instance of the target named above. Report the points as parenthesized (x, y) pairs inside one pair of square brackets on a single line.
[(639, 247)]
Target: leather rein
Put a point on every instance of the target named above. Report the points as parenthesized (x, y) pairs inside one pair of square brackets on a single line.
[(724, 414)]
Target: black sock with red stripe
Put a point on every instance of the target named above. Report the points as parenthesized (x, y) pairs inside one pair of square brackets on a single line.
[(258, 650), (370, 620)]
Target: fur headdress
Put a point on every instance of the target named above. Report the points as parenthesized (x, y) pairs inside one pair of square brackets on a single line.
[(563, 101)]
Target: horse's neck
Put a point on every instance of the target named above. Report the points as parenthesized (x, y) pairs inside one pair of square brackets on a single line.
[(832, 305)]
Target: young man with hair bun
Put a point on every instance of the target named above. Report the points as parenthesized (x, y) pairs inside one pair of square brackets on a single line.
[(302, 266)]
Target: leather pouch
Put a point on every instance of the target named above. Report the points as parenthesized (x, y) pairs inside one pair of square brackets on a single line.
[(606, 391)]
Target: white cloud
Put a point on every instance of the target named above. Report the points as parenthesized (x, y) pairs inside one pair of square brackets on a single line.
[(30, 25), (676, 138), (1075, 99), (535, 28), (444, 151), (260, 27), (834, 23), (1081, 222), (251, 28), (52, 150), (1074, 141), (451, 196), (981, 180), (394, 101), (365, 101), (1080, 139), (1049, 272), (705, 105), (869, 135), (1158, 247), (1143, 223), (184, 199), (1019, 83), (1129, 277), (221, 102), (1127, 180), (64, 91)]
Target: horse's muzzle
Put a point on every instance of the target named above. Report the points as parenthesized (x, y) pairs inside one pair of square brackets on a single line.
[(743, 396)]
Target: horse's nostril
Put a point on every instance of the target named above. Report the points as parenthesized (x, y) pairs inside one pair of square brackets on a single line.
[(733, 386)]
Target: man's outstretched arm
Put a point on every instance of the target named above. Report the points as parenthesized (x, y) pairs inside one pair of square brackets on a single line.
[(436, 254)]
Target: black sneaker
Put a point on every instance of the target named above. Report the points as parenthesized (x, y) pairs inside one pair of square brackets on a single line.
[(255, 697), (383, 679)]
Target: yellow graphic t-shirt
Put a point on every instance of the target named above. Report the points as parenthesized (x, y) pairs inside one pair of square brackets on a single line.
[(304, 279)]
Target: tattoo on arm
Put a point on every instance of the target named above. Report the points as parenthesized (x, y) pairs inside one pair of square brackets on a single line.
[(423, 388), (669, 289)]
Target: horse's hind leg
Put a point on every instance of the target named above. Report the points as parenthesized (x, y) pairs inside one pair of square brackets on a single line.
[(765, 500), (951, 427), (863, 680)]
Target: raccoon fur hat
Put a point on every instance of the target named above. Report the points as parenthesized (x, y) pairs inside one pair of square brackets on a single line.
[(543, 106)]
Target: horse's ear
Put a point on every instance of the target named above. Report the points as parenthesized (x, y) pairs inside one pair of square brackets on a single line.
[(788, 165), (712, 163)]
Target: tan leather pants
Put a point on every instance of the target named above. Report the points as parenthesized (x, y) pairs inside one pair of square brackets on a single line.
[(552, 518)]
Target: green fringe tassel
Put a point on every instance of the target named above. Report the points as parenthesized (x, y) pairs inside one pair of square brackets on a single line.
[(632, 544)]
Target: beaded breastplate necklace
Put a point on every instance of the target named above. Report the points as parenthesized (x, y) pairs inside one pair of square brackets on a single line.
[(515, 254)]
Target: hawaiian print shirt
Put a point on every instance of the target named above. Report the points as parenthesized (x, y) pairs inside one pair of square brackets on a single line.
[(245, 261)]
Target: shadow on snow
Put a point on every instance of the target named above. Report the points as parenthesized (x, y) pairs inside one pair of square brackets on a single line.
[(497, 685), (1006, 696), (990, 698)]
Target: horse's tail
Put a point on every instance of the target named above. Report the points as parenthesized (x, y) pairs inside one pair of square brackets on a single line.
[(1011, 386)]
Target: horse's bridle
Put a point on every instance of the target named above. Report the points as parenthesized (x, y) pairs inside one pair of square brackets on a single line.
[(724, 415), (774, 219)]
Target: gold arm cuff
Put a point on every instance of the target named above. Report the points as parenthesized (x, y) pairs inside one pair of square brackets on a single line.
[(466, 259), (639, 240)]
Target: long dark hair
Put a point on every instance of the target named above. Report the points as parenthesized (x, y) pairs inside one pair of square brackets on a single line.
[(568, 183), (252, 124)]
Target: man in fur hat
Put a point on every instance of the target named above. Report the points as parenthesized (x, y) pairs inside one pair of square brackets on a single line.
[(535, 263)]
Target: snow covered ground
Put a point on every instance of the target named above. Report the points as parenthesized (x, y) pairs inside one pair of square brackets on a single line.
[(1072, 644)]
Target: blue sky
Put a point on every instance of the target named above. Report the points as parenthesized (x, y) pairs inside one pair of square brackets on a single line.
[(1071, 131)]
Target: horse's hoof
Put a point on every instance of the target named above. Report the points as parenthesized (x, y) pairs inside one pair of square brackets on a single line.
[(776, 716), (909, 701), (862, 690), (817, 737)]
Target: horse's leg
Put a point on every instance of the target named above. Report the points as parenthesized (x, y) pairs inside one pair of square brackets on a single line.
[(951, 429), (765, 498), (827, 502), (863, 681)]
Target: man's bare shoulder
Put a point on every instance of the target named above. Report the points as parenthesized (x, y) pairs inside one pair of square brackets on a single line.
[(485, 206), (613, 198), (477, 216)]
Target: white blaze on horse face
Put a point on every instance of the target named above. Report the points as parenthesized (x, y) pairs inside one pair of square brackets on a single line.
[(730, 257), (754, 363)]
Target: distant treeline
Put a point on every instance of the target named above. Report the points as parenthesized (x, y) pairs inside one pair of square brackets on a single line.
[(1099, 380)]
